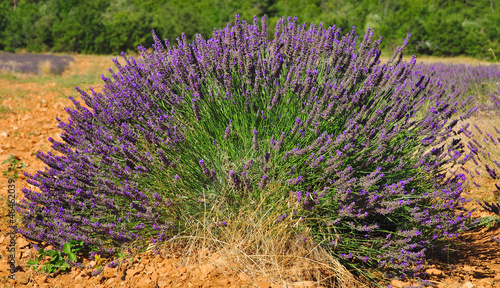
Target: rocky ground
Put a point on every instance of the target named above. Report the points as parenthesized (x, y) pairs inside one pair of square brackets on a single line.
[(29, 107)]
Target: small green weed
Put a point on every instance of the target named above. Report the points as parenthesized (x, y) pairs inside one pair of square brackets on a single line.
[(58, 259), (124, 256), (99, 262), (4, 109), (15, 166), (494, 56)]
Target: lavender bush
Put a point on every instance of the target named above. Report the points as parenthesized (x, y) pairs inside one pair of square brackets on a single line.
[(216, 122)]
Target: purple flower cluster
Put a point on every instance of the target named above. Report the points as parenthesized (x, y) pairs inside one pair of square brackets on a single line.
[(311, 112)]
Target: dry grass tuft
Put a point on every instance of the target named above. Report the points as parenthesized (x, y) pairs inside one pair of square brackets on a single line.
[(45, 67), (255, 243)]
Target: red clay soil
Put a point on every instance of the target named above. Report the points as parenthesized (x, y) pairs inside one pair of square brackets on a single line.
[(473, 259)]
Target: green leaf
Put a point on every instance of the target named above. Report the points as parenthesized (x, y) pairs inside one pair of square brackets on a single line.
[(48, 268), (76, 245), (64, 266), (72, 257), (67, 248), (40, 257)]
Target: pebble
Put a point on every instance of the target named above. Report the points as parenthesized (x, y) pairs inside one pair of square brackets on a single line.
[(468, 285), (22, 278), (109, 272), (434, 271)]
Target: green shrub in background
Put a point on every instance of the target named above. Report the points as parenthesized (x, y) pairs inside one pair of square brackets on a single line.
[(441, 28)]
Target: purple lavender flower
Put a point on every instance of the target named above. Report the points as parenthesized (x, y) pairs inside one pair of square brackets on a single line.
[(228, 130), (255, 141)]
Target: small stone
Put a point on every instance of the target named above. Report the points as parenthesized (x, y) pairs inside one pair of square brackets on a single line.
[(149, 270), (145, 261), (41, 279), (163, 271), (264, 284), (145, 283), (109, 282), (131, 273), (398, 283), (4, 134), (154, 276), (434, 271), (22, 278), (244, 277), (205, 270), (182, 270), (468, 285), (158, 259), (66, 278), (21, 242), (467, 268), (98, 278), (163, 283), (223, 282), (79, 278), (196, 273), (109, 272)]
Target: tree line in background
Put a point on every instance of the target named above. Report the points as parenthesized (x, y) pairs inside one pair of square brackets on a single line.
[(440, 28)]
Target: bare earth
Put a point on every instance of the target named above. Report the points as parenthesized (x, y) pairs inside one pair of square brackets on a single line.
[(28, 119)]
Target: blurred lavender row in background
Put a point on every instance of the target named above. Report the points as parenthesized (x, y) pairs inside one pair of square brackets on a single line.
[(481, 80), (34, 63)]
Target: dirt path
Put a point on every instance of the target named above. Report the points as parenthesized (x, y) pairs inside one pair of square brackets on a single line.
[(27, 119)]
